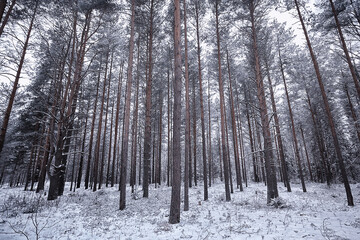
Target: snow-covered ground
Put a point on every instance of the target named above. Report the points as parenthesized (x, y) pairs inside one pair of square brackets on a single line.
[(321, 213)]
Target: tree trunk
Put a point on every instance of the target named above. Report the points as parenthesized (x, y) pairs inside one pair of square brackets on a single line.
[(194, 134), (168, 135), (203, 133), (98, 136), (306, 153), (222, 110), (187, 118), (7, 15), (256, 176), (297, 154), (346, 52), (124, 150), (118, 100), (320, 143), (87, 174), (2, 8), (209, 133), (328, 112), (105, 127), (147, 132), (272, 191), (353, 113), (7, 114), (135, 124), (234, 130), (174, 216), (278, 135), (81, 163)]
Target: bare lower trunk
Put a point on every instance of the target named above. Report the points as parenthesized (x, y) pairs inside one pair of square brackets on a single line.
[(124, 151), (174, 216), (222, 110), (272, 191)]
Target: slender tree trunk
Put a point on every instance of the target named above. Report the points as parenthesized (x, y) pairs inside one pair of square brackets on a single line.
[(147, 132), (2, 8), (306, 153), (81, 163), (7, 15), (187, 118), (209, 133), (168, 135), (234, 130), (228, 151), (7, 114), (98, 136), (344, 47), (194, 134), (297, 154), (105, 127), (110, 146), (203, 133), (272, 191), (256, 177), (158, 169), (320, 143), (135, 124), (118, 100), (278, 135), (28, 171), (328, 112), (174, 216), (87, 174), (124, 151), (353, 113), (222, 110)]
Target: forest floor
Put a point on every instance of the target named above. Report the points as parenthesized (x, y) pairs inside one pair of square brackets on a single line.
[(321, 213)]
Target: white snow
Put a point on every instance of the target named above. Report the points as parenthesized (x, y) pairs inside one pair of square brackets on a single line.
[(321, 213)]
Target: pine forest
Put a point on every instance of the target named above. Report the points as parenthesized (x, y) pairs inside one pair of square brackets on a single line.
[(180, 119)]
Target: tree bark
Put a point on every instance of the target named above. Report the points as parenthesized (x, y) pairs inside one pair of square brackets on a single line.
[(147, 132), (124, 150), (187, 118), (174, 216), (278, 135), (222, 110), (203, 133), (118, 100), (272, 191)]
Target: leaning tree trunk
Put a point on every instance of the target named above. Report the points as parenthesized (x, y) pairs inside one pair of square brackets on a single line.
[(174, 216), (344, 47), (7, 114), (7, 15), (328, 112)]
